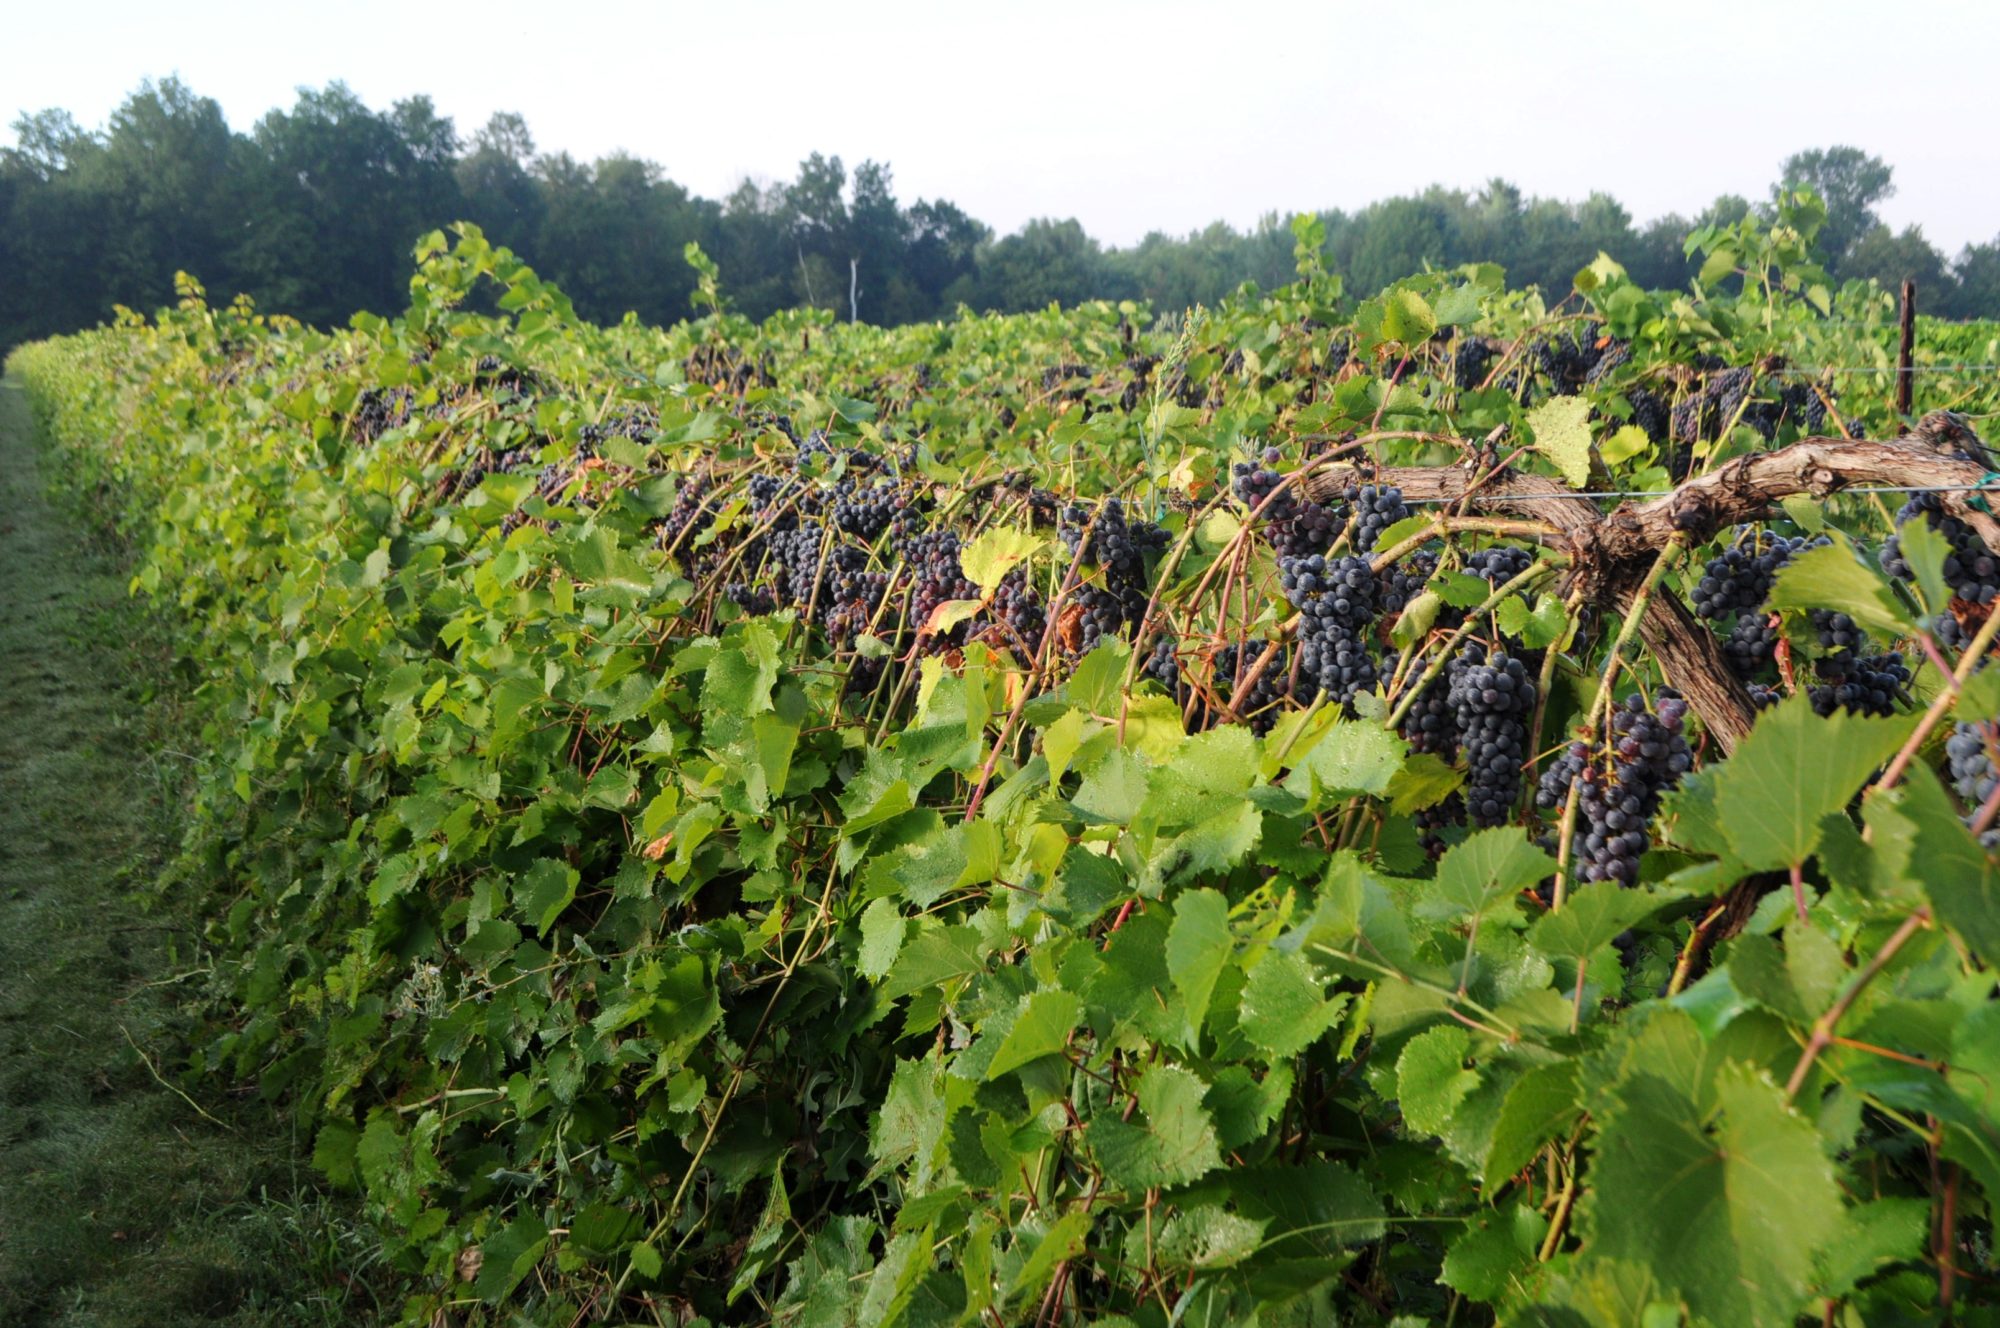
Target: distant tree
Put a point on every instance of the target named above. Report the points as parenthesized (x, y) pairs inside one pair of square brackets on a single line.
[(1045, 262), (1977, 273), (495, 179), (1850, 183), (338, 196), (1892, 259)]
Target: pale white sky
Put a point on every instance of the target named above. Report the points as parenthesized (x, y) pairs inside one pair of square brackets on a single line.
[(1129, 116)]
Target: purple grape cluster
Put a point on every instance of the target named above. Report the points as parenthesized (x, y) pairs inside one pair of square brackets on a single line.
[(1619, 784)]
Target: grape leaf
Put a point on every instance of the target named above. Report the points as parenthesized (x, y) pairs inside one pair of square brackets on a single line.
[(1431, 1078), (1488, 870), (1728, 1209), (1540, 1104), (994, 553), (1561, 426), (1921, 841), (1176, 1144), (1284, 1006), (1041, 1026), (1593, 917), (1793, 770), (1831, 577), (1198, 946)]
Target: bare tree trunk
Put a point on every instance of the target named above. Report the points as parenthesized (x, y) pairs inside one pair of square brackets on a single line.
[(853, 290)]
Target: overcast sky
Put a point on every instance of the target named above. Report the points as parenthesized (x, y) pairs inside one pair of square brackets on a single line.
[(1129, 116)]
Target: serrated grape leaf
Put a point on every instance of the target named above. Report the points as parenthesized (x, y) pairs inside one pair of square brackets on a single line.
[(1561, 426), (1215, 845), (1431, 1078), (906, 1261), (1065, 1239), (1284, 1009), (1979, 697), (935, 956), (1198, 947), (544, 891), (1538, 1106), (1407, 317), (1925, 551), (1831, 577), (1153, 727), (1757, 972), (1208, 1237), (1793, 770), (824, 1285), (1492, 1252), (1458, 305), (1729, 1209), (1175, 1145), (911, 1122), (1243, 1105), (1919, 839), (1042, 1025), (948, 615), (1628, 442), (1351, 757), (1132, 986), (1424, 781), (1872, 1235), (509, 1255), (994, 553), (1593, 917), (882, 929), (1489, 869)]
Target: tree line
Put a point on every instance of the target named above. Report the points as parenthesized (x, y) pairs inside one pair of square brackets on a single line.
[(314, 210)]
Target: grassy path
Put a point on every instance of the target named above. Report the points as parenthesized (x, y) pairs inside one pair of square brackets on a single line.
[(122, 1202)]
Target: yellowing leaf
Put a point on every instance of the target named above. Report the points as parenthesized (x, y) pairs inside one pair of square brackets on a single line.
[(1561, 427)]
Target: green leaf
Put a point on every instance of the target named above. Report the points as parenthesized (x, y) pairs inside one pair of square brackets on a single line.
[(1198, 948), (1407, 317), (1538, 1106), (936, 956), (1793, 770), (1872, 1236), (509, 1256), (1728, 1210), (1176, 1144), (1561, 426), (1209, 1237), (1925, 550), (882, 931), (1831, 577), (1628, 442), (1431, 1078), (544, 891), (1495, 1251), (1064, 1240), (1351, 757), (1593, 917), (996, 552), (1489, 868), (1042, 1027), (1284, 1007), (1922, 843)]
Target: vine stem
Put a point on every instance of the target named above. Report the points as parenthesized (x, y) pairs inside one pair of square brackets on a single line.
[(1823, 1027)]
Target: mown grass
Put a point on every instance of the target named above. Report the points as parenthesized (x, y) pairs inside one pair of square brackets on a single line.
[(126, 1197)]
